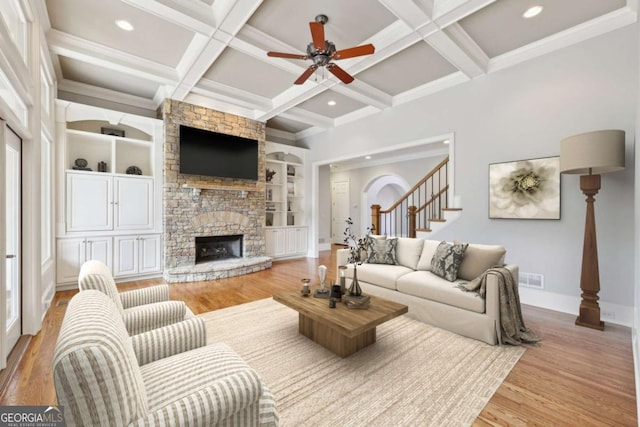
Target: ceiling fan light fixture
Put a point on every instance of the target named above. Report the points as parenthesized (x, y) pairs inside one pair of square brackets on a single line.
[(322, 52), (125, 25), (532, 11)]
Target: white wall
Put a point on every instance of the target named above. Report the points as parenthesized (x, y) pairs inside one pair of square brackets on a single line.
[(519, 113)]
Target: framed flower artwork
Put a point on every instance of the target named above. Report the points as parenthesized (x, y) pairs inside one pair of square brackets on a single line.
[(525, 189)]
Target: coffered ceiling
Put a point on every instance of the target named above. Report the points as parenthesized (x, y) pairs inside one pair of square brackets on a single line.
[(213, 52)]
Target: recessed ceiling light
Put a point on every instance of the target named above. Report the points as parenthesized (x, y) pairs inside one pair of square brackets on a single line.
[(331, 103), (124, 25), (446, 141), (367, 157), (532, 11)]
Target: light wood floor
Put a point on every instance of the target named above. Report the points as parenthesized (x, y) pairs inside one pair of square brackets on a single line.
[(575, 377)]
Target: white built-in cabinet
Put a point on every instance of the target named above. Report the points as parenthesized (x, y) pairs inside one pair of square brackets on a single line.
[(138, 254), (113, 211), (74, 251), (96, 201), (285, 201)]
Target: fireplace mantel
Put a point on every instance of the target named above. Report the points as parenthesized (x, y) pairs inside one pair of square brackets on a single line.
[(199, 186)]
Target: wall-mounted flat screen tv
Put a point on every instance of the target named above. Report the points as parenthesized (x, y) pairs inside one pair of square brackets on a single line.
[(203, 152)]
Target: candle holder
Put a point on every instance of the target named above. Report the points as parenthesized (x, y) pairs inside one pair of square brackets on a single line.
[(305, 291), (322, 292), (343, 278)]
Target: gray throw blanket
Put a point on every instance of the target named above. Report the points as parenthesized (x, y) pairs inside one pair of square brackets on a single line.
[(512, 326)]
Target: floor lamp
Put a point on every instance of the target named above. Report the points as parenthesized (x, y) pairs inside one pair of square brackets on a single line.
[(590, 154)]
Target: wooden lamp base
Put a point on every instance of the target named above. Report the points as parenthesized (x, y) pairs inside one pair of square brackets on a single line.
[(590, 278)]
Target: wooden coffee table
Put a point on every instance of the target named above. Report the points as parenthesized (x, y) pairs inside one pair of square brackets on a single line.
[(341, 330)]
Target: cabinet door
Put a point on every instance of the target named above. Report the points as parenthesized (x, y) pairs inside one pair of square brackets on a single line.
[(149, 254), (100, 248), (301, 240), (89, 202), (69, 258), (275, 242), (291, 241), (126, 257), (133, 203)]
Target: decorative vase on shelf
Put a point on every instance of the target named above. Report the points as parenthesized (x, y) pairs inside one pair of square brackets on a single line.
[(354, 289)]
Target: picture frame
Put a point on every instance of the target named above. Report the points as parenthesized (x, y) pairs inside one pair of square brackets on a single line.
[(525, 189), (112, 132)]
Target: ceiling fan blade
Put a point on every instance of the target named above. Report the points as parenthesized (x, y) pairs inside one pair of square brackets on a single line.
[(365, 49), (287, 55), (339, 73), (307, 73), (317, 34)]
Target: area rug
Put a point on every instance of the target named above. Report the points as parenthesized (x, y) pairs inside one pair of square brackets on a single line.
[(413, 375)]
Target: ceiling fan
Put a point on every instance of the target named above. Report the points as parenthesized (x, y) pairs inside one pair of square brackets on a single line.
[(322, 52)]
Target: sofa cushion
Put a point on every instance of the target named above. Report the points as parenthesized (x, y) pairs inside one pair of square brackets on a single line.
[(428, 249), (379, 274), (408, 252), (427, 285), (478, 258), (381, 251), (447, 259)]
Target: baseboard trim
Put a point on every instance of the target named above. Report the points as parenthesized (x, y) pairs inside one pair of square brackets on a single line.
[(623, 315), (15, 356)]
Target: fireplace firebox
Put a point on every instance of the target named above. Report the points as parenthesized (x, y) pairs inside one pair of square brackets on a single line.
[(216, 248)]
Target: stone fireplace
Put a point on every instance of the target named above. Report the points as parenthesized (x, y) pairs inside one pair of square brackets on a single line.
[(218, 248), (197, 206)]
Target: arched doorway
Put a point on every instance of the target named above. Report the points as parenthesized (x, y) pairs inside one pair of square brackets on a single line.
[(383, 190)]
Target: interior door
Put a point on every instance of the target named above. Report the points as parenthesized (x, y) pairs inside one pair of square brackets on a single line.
[(13, 200), (340, 201)]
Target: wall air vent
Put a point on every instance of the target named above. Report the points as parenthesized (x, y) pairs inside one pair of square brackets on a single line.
[(532, 280)]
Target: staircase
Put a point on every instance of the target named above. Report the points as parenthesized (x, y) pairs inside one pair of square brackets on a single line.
[(424, 209)]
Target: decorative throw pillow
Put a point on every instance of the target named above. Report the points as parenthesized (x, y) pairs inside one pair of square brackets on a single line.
[(447, 259), (381, 251)]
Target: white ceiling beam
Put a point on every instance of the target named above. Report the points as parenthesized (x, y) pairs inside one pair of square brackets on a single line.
[(195, 16), (365, 93), (106, 94), (603, 24), (248, 45), (199, 61), (304, 116), (456, 55), (470, 61), (355, 115), (431, 87), (446, 12), (196, 66), (408, 12), (93, 53), (231, 94), (292, 97)]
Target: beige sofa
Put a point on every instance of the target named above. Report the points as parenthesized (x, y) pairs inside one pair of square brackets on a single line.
[(433, 299)]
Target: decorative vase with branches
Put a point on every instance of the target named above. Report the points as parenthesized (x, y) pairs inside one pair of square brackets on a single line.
[(357, 254)]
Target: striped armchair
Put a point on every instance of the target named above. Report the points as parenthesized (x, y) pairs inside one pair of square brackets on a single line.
[(141, 309), (103, 376)]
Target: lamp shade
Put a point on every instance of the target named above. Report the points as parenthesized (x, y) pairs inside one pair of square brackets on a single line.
[(592, 152)]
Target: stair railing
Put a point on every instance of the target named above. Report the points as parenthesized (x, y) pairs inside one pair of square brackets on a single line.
[(417, 208)]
